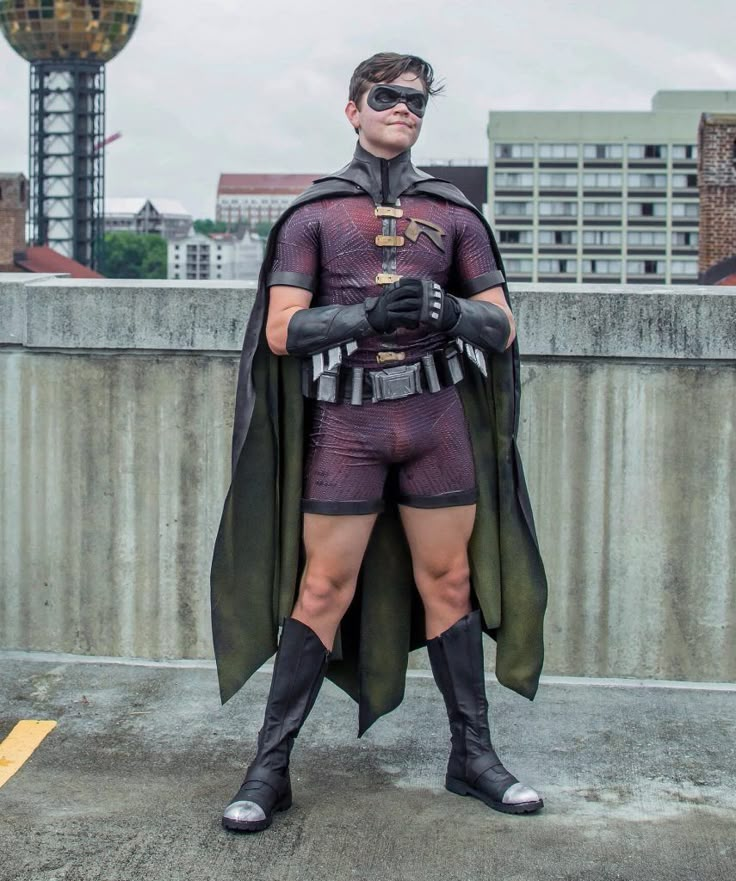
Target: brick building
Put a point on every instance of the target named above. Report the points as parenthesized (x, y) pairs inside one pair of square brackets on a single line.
[(15, 255), (717, 172), (13, 207)]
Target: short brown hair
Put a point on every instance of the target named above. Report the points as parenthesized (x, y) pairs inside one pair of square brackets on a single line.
[(387, 66)]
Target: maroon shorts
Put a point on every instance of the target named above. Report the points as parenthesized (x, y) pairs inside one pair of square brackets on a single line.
[(422, 441)]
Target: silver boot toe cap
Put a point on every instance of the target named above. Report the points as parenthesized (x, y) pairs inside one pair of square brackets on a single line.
[(520, 794), (244, 812)]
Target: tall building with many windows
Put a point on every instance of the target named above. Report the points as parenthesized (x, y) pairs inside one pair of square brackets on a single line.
[(599, 196)]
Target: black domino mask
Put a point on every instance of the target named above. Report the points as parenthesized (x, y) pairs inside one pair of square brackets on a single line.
[(384, 97)]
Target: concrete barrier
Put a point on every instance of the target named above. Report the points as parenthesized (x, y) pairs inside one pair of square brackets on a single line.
[(116, 402)]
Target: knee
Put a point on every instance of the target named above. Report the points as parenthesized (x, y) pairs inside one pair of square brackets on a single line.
[(448, 587), (323, 594)]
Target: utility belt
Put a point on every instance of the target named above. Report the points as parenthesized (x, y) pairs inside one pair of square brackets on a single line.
[(357, 385)]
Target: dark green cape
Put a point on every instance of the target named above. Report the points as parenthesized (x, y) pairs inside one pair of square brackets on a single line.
[(258, 555)]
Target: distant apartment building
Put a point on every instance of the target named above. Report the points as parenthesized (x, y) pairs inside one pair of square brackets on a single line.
[(257, 198), (599, 196), (164, 217), (215, 256), (717, 170)]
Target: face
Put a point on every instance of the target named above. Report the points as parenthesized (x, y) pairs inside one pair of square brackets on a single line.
[(386, 133)]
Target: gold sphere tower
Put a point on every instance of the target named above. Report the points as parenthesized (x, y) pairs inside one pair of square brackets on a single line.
[(68, 43)]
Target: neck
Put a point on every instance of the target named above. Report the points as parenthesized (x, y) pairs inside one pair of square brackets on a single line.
[(381, 152), (384, 178)]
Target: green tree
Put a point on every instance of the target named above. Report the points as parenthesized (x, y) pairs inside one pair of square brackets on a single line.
[(208, 226), (133, 255), (263, 228)]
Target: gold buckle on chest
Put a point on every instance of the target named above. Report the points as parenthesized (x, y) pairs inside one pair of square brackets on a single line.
[(387, 278), (387, 357), (387, 211), (389, 241)]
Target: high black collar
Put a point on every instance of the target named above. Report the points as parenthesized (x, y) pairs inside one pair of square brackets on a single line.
[(383, 179)]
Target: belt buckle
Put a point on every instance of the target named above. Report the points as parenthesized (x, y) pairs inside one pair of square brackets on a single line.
[(396, 382)]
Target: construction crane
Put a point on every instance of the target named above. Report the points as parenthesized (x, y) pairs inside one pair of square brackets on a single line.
[(102, 144)]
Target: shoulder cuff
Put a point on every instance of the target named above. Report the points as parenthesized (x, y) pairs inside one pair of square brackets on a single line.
[(482, 283), (293, 279)]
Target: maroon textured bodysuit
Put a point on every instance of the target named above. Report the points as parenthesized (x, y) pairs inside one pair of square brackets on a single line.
[(329, 248)]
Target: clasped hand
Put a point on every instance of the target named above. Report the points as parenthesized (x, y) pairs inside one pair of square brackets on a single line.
[(405, 304)]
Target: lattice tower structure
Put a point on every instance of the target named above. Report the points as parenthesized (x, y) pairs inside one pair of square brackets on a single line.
[(68, 43)]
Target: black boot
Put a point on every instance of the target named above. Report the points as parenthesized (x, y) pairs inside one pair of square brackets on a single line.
[(299, 669), (474, 768)]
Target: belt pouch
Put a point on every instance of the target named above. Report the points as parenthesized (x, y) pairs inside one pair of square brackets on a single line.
[(327, 386), (453, 364), (430, 372), (356, 389)]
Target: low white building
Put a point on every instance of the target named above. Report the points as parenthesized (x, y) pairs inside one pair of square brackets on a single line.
[(165, 217), (214, 256)]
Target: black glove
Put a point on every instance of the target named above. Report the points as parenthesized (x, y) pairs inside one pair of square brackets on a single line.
[(398, 306), (478, 322), (320, 328)]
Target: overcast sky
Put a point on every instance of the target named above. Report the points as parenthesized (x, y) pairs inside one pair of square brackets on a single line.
[(227, 85)]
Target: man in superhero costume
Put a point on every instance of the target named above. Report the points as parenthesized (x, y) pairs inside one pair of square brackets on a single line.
[(377, 501)]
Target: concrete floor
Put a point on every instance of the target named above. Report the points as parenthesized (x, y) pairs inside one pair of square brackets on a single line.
[(639, 783)]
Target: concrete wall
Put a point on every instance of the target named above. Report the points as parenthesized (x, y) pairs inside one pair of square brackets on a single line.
[(115, 411)]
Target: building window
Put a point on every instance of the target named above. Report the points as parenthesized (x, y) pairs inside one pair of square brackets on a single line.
[(513, 209), (514, 264), (601, 237), (685, 239), (684, 181), (558, 209), (558, 180), (684, 267), (601, 209), (514, 151), (558, 267), (558, 151), (647, 151), (645, 267), (515, 236), (684, 151), (648, 181), (513, 179), (603, 151), (558, 237), (686, 209), (642, 238), (602, 180), (602, 267), (647, 209)]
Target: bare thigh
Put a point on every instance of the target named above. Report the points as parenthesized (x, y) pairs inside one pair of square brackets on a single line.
[(335, 546), (438, 540)]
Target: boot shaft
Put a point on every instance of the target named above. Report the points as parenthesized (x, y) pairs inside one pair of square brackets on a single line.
[(456, 657), (298, 672)]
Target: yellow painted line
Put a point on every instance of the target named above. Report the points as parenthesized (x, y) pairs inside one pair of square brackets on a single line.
[(20, 745)]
